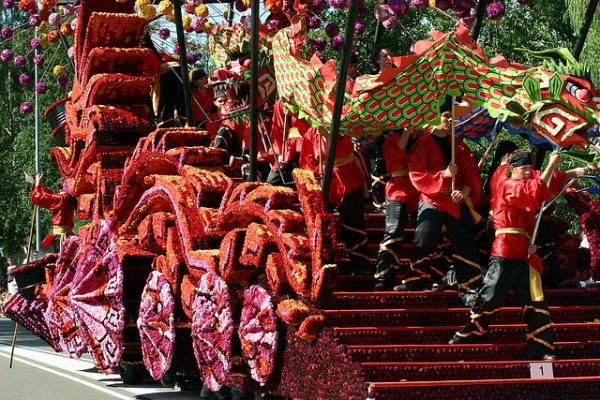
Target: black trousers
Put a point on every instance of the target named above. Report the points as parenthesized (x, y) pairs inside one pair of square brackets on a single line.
[(503, 275), (390, 248), (427, 261), (354, 234)]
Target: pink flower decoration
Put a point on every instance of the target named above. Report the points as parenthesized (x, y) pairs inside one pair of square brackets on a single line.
[(258, 333), (339, 4), (54, 19), (192, 58), (313, 22), (20, 61), (35, 43), (398, 7), (337, 42), (197, 25), (156, 324), (495, 10), (30, 315), (332, 29), (443, 4), (360, 27), (41, 88), (361, 7), (212, 330), (62, 81), (7, 32), (38, 59), (420, 4), (59, 314), (25, 79), (26, 108), (6, 55), (97, 298), (8, 3)]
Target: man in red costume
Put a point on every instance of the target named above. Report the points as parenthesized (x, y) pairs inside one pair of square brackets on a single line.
[(286, 139), (432, 172), (346, 192), (62, 205), (514, 264), (402, 199)]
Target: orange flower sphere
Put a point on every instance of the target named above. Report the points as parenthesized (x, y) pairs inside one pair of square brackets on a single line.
[(53, 36)]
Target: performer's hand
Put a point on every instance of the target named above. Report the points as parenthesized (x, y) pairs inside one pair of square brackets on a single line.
[(457, 196), (531, 250), (451, 170), (38, 179)]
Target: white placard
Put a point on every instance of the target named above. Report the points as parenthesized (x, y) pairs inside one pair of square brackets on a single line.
[(541, 370)]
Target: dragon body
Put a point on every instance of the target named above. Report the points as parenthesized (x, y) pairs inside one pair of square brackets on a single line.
[(560, 106)]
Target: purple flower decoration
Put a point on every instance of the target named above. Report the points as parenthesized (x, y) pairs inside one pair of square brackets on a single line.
[(360, 27), (74, 23), (286, 5), (41, 88), (495, 11), (240, 6), (71, 52), (62, 81), (68, 9), (390, 23), (332, 29), (35, 20), (443, 4), (26, 108), (318, 6), (164, 33), (8, 3), (25, 79), (35, 43), (462, 4), (54, 18), (192, 58), (361, 7), (20, 61), (382, 12), (419, 4), (6, 55), (176, 48), (7, 32), (314, 22), (339, 4), (337, 42), (398, 7), (319, 43), (38, 59)]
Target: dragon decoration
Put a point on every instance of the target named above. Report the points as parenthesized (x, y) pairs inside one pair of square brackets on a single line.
[(557, 99), (233, 262), (229, 47)]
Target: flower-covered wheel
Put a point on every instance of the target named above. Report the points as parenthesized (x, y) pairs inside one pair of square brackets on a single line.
[(212, 330), (258, 333), (59, 314), (97, 298), (156, 324)]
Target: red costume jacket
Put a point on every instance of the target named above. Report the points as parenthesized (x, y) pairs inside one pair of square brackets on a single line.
[(61, 205), (399, 187), (426, 170), (205, 102), (294, 130), (516, 202), (347, 176)]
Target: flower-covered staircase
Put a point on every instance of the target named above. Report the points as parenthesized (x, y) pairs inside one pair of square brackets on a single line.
[(400, 342)]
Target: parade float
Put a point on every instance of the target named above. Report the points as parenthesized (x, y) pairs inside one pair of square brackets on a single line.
[(184, 270)]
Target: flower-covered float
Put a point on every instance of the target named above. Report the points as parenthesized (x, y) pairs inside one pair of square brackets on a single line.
[(183, 269)]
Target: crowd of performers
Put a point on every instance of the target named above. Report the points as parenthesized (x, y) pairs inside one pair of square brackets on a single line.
[(430, 181)]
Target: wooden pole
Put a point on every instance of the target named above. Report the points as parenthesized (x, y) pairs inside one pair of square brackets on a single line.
[(14, 341), (453, 160)]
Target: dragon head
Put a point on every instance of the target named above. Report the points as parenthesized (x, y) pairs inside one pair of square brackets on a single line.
[(230, 52)]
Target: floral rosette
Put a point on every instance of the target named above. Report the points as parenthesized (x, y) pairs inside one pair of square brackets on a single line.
[(292, 312), (156, 324), (97, 298), (258, 333), (212, 331), (59, 313)]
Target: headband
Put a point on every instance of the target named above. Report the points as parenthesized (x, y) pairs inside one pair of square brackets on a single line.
[(521, 159)]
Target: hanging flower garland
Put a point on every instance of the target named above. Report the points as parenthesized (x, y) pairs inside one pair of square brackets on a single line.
[(30, 45)]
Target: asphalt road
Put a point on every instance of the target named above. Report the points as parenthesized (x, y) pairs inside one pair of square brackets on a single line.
[(38, 372)]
